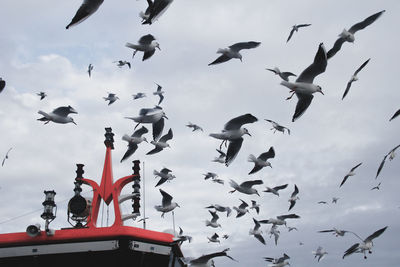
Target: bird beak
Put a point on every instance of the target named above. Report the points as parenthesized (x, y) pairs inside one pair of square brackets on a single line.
[(158, 48), (322, 92), (248, 134), (74, 123), (178, 206), (165, 117), (257, 194)]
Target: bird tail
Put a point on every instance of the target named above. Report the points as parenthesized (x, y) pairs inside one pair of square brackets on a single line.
[(130, 45), (156, 173), (287, 84), (126, 138), (44, 114), (252, 158)]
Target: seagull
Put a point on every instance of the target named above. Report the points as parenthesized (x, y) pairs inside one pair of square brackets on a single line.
[(213, 223), (121, 63), (2, 84), (221, 209), (391, 154), (245, 187), (164, 175), (221, 157), (233, 51), (155, 116), (58, 115), (5, 157), (255, 206), (366, 244), (293, 197), (147, 44), (279, 262), (274, 232), (89, 70), (278, 127), (206, 260), (242, 209), (284, 75), (111, 97), (219, 181), (233, 133), (348, 36), (194, 126), (291, 228), (162, 143), (257, 232), (336, 232), (376, 187), (42, 95), (155, 9), (397, 113), (213, 238), (181, 238), (159, 93), (209, 175), (319, 253), (262, 160), (322, 202), (335, 199), (350, 173), (280, 220), (133, 141), (295, 28), (138, 95), (304, 88), (87, 8), (225, 236), (275, 189), (166, 205), (354, 78)]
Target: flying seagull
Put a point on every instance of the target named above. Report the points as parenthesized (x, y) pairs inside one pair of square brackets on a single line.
[(320, 253), (354, 78), (133, 141), (206, 260), (160, 93), (366, 244), (335, 199), (322, 202), (221, 157), (2, 84), (233, 133), (165, 176), (245, 187), (295, 28), (274, 232), (280, 220), (262, 160), (304, 88), (181, 238), (195, 127), (58, 115), (336, 232), (242, 209), (89, 70), (166, 205), (5, 157), (233, 51), (111, 98), (277, 127), (221, 209), (154, 10), (397, 113), (256, 232), (391, 154), (209, 175), (121, 63), (348, 36), (283, 74), (147, 44), (138, 95), (213, 238), (274, 190), (255, 205), (155, 116), (162, 143), (42, 95), (213, 223), (376, 187), (291, 228), (293, 197), (350, 173), (87, 8), (278, 262)]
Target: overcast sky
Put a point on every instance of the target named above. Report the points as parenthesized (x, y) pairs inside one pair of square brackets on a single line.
[(39, 54)]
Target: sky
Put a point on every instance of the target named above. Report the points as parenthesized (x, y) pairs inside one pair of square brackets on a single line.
[(334, 135)]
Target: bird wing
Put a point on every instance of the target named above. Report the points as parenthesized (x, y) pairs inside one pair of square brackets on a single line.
[(303, 25), (2, 85), (165, 170), (355, 167), (397, 113), (161, 99), (381, 166), (207, 257), (233, 150), (361, 67), (288, 216), (157, 9), (158, 128), (244, 45), (303, 102), (260, 238), (280, 187), (251, 183), (351, 250), (344, 180), (236, 123), (255, 169), (146, 39), (166, 198), (316, 68), (221, 153), (292, 203), (132, 147), (361, 25), (326, 231), (336, 47), (153, 151), (267, 155), (167, 136), (347, 89), (87, 8), (222, 58), (161, 181), (148, 54), (214, 215), (290, 35), (139, 132), (375, 234), (296, 191), (243, 205), (64, 111)]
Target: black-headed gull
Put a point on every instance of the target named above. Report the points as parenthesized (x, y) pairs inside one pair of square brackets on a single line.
[(133, 141), (245, 187), (146, 44), (274, 190), (319, 253), (233, 51), (293, 198), (166, 204), (58, 115), (365, 245), (283, 74), (256, 232), (213, 223), (391, 154), (350, 173), (295, 28), (277, 127), (5, 157), (42, 95), (262, 160), (155, 116), (162, 143), (90, 69), (354, 78)]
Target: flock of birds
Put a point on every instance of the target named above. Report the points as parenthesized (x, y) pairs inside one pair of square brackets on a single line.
[(231, 137)]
